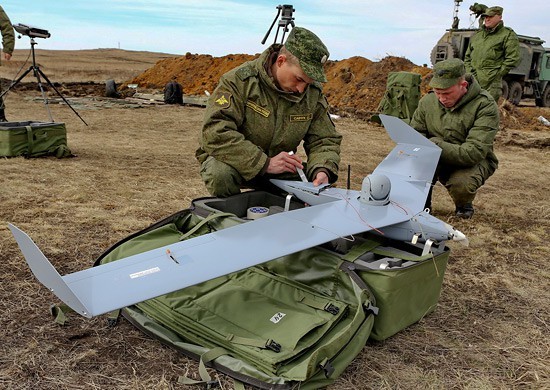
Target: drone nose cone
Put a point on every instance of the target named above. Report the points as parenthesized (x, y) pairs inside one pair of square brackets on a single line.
[(458, 236)]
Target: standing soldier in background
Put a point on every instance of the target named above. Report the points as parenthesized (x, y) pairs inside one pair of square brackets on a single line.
[(492, 52), (478, 10), (8, 42)]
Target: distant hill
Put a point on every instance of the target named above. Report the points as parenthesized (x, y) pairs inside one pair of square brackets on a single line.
[(355, 85), (95, 65)]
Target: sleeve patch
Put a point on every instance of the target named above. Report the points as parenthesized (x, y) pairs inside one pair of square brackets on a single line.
[(222, 99)]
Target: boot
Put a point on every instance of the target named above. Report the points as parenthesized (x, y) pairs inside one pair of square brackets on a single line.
[(466, 211)]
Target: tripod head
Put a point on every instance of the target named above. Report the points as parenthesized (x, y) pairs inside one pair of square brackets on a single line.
[(285, 11), (35, 32)]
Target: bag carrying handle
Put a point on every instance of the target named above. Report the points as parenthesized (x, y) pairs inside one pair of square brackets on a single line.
[(203, 222), (29, 140)]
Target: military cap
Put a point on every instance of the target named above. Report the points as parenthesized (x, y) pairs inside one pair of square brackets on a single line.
[(447, 73), (310, 52), (492, 11)]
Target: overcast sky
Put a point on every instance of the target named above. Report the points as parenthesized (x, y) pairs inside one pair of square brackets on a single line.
[(367, 28)]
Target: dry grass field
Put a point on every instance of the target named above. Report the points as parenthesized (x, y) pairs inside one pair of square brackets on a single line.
[(135, 165)]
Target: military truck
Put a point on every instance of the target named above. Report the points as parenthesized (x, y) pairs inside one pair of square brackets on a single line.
[(530, 79)]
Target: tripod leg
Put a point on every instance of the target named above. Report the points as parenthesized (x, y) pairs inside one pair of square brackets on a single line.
[(60, 95), (37, 75), (16, 82)]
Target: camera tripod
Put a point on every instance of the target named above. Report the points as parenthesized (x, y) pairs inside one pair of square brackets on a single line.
[(286, 20), (37, 73)]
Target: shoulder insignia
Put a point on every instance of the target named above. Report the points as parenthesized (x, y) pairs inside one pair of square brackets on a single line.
[(246, 71), (486, 94), (223, 99), (317, 85)]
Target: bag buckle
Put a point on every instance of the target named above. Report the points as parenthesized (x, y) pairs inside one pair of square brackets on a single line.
[(370, 308), (214, 383), (332, 309), (272, 345), (327, 367)]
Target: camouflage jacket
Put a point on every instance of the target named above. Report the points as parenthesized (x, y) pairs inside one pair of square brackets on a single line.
[(248, 120), (492, 53), (465, 132), (8, 36)]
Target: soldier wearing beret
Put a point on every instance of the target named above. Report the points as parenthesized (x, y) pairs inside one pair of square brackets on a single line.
[(8, 42), (492, 51), (462, 119), (261, 111)]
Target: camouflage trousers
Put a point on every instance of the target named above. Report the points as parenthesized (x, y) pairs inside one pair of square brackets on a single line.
[(495, 89), (462, 184), (222, 180)]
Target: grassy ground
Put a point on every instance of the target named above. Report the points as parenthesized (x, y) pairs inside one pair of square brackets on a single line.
[(135, 166)]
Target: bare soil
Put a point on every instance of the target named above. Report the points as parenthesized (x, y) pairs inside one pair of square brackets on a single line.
[(134, 165)]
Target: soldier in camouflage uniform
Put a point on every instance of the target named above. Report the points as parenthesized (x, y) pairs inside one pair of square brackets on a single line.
[(8, 42), (462, 119), (264, 109), (492, 52), (478, 10)]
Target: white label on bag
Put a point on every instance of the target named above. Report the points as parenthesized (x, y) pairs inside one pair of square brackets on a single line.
[(277, 317)]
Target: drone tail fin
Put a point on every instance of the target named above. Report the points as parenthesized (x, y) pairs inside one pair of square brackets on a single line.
[(45, 272)]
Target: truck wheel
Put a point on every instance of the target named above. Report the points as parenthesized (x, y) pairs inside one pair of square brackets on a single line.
[(544, 101), (516, 90), (505, 89)]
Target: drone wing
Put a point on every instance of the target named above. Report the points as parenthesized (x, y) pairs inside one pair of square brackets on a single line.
[(124, 282), (136, 278), (411, 165)]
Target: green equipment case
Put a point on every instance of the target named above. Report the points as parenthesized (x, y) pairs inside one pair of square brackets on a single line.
[(272, 330), (33, 139), (321, 304), (401, 96), (405, 283)]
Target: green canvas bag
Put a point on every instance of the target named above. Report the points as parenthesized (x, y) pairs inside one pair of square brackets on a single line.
[(401, 96), (403, 293), (295, 321), (33, 139), (405, 283)]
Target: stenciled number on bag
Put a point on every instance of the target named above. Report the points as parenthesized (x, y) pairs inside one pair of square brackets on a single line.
[(277, 317)]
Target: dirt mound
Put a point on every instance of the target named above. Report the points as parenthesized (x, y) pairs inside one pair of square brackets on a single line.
[(354, 88), (195, 72), (355, 85), (520, 126)]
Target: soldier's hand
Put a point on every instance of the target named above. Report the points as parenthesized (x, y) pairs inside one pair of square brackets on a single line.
[(284, 162), (7, 56), (320, 178)]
